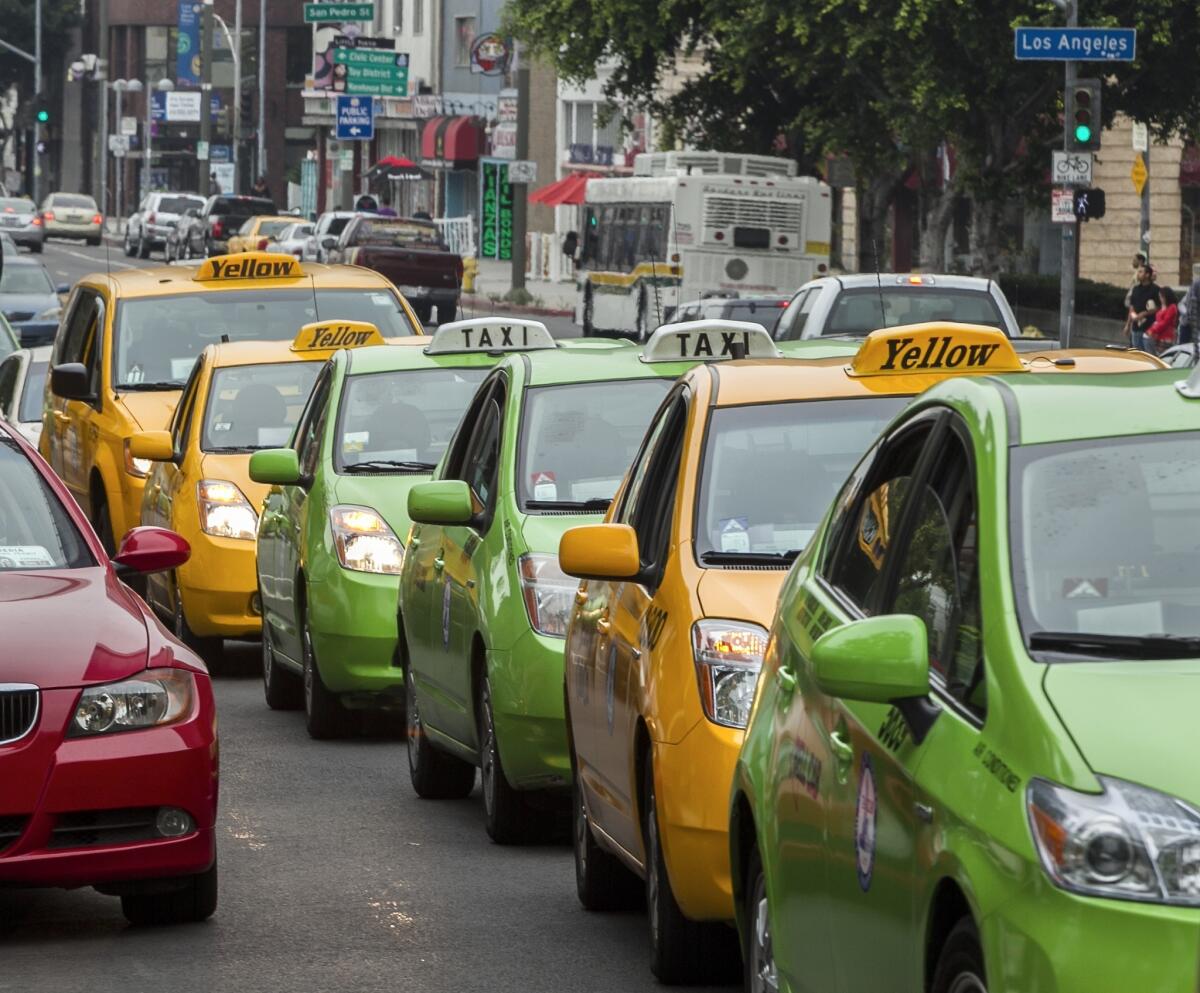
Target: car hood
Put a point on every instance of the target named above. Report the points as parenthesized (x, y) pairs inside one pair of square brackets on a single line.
[(71, 627), (387, 495), (542, 531), (1133, 720), (741, 594), (152, 411)]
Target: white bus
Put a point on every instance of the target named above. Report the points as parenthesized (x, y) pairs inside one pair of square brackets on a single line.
[(689, 224)]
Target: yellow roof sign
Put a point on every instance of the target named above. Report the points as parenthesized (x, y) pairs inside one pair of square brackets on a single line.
[(328, 336), (935, 347), (248, 265)]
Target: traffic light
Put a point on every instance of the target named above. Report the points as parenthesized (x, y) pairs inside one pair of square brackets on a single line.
[(43, 115), (1083, 115), (1089, 205)]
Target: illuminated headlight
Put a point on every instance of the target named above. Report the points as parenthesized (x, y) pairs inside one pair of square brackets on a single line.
[(364, 541), (1129, 842), (224, 510), (549, 593), (136, 467), (157, 696), (728, 658)]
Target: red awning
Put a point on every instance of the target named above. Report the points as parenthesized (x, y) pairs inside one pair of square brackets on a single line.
[(451, 141), (568, 190)]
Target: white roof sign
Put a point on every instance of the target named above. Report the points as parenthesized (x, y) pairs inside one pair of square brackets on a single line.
[(490, 334), (709, 341)]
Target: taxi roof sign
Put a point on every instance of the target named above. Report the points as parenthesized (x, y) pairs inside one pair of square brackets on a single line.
[(490, 334), (935, 347), (329, 336), (248, 265), (709, 341), (1190, 387)]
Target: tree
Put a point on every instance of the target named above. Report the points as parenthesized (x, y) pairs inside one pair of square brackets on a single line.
[(16, 18)]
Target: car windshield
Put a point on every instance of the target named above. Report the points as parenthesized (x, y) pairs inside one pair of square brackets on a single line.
[(772, 470), (157, 339), (577, 440), (396, 232), (35, 530), (32, 279), (401, 421), (255, 406), (1104, 541), (242, 207), (762, 312), (177, 205), (31, 397), (863, 310), (72, 200), (337, 225), (269, 229), (10, 205)]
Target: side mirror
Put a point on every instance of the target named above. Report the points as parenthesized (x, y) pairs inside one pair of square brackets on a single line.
[(446, 501), (277, 466), (150, 549), (877, 659), (153, 445), (62, 289), (328, 243), (600, 551), (71, 381)]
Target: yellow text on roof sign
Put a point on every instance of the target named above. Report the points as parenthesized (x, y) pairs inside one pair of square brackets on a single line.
[(331, 335), (248, 265), (935, 347)]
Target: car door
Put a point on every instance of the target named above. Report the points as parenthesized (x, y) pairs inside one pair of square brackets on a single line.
[(80, 433), (67, 348), (10, 370)]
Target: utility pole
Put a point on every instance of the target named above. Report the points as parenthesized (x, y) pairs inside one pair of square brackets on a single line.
[(262, 87), (237, 93), (206, 24), (37, 93), (101, 76), (1070, 232), (521, 194), (1144, 226)]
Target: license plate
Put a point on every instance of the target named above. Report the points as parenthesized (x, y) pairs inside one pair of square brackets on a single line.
[(11, 222)]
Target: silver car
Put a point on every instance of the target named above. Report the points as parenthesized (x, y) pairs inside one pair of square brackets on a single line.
[(19, 219), (149, 227), (72, 215), (294, 238), (22, 385)]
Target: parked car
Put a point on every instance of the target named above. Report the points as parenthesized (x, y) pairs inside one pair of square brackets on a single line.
[(208, 231), (148, 226), (408, 252), (762, 310), (19, 219), (72, 215), (22, 385), (258, 234), (329, 225), (294, 239), (27, 293)]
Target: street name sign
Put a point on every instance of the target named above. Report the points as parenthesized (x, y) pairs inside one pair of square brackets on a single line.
[(1071, 168), (338, 13), (371, 71), (355, 118), (1075, 44)]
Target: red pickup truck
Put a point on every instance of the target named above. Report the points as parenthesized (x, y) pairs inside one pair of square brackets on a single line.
[(411, 254)]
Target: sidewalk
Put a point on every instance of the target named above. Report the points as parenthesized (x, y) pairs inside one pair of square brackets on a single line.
[(494, 281)]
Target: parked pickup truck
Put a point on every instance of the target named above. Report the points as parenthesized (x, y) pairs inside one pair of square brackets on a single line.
[(410, 253)]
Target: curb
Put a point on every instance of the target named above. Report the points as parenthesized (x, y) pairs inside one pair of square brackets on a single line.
[(501, 307)]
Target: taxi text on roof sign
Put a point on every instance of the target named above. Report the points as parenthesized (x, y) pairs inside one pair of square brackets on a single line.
[(248, 265), (326, 336), (490, 334), (709, 340), (935, 347)]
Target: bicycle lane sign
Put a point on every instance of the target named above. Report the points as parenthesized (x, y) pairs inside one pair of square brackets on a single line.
[(1071, 169)]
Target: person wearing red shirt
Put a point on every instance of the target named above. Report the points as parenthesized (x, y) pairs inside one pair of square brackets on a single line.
[(1161, 334)]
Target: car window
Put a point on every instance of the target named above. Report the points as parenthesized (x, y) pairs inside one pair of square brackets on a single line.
[(862, 310), (248, 227), (482, 461), (272, 229), (36, 532), (32, 279), (73, 200), (790, 325), (255, 406), (177, 205), (182, 418), (8, 384), (762, 312), (641, 463), (33, 392), (311, 426), (83, 334), (649, 510), (15, 205)]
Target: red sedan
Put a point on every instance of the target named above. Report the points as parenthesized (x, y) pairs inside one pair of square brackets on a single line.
[(108, 737)]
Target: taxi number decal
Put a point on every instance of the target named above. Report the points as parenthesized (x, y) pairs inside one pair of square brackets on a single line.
[(251, 269), (994, 764), (950, 356), (656, 620), (704, 343), (806, 769), (894, 731)]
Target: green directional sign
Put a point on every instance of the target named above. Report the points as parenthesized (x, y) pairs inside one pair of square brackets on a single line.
[(337, 13), (372, 71)]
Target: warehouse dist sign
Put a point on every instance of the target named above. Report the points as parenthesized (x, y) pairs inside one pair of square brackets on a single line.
[(495, 210)]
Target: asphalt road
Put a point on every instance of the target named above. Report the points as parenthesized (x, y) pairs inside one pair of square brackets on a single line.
[(69, 261)]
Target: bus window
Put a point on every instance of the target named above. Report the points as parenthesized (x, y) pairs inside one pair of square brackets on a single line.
[(654, 232)]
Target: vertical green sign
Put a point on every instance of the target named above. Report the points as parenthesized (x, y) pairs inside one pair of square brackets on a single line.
[(495, 211)]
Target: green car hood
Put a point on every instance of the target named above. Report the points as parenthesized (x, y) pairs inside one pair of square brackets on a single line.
[(542, 531), (1133, 720), (388, 495)]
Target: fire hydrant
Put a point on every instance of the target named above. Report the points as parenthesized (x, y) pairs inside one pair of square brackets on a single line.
[(470, 271)]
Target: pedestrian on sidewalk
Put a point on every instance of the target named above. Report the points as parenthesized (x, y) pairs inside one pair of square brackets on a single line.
[(385, 209), (1161, 335), (1143, 302), (1139, 260), (260, 188), (1190, 325)]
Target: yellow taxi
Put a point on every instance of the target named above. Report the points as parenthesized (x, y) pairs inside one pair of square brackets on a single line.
[(669, 625), (259, 233), (241, 397), (128, 341)]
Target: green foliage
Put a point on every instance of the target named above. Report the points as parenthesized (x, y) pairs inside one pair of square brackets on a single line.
[(1092, 299), (16, 16)]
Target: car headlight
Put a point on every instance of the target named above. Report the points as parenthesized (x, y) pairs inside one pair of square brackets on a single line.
[(50, 314), (224, 510), (549, 593), (150, 699), (136, 467), (364, 541), (1129, 842), (728, 657)]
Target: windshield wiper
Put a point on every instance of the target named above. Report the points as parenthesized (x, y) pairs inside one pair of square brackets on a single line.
[(384, 465), (596, 503), (749, 558), (233, 449), (1150, 646), (163, 384)]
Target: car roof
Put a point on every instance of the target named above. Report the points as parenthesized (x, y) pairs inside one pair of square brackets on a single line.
[(409, 353), (854, 281), (256, 353), (594, 360), (168, 280)]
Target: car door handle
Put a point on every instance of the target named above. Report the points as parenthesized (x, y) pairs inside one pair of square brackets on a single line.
[(603, 625), (61, 417), (581, 597), (785, 679), (414, 542), (843, 750), (439, 564)]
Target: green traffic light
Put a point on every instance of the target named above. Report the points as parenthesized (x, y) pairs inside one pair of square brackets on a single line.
[(1083, 133), (43, 116)]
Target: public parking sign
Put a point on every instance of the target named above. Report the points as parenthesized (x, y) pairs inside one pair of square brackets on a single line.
[(355, 118), (1075, 44)]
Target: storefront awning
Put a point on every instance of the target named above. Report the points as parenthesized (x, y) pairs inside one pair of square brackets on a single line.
[(451, 142), (568, 190)]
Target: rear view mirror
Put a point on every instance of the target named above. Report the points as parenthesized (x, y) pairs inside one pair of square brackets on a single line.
[(877, 659), (150, 549), (153, 445), (600, 551), (62, 289), (277, 466), (446, 501), (71, 382)]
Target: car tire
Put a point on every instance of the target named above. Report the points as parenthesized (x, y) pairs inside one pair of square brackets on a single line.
[(193, 902), (435, 775), (506, 813), (960, 966), (681, 950), (281, 688), (36, 247), (324, 715), (127, 244), (207, 647), (93, 241), (589, 311), (143, 247), (168, 254), (759, 953), (601, 879), (102, 522), (446, 312)]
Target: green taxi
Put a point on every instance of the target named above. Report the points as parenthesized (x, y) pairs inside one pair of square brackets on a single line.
[(970, 759), (330, 535), (484, 605)]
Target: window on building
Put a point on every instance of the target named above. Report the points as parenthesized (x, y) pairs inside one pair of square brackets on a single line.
[(299, 55), (464, 34), (161, 44), (418, 18), (398, 17)]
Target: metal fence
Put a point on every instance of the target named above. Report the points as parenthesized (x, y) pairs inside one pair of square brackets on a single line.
[(459, 234)]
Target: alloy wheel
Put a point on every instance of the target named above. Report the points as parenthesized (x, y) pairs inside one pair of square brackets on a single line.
[(487, 765), (308, 670), (412, 721), (967, 982), (581, 831), (652, 881), (763, 977), (267, 659)]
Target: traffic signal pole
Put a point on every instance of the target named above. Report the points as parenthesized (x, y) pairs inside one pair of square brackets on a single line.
[(1070, 232), (36, 182), (206, 26)]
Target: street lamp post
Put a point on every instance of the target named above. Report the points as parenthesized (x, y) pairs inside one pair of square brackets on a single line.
[(236, 113), (120, 88), (164, 85)]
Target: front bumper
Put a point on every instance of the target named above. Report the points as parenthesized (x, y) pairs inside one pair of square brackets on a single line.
[(219, 585), (53, 779), (352, 620), (692, 781), (527, 702)]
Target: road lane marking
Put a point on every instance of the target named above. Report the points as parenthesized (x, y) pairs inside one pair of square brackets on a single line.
[(94, 260)]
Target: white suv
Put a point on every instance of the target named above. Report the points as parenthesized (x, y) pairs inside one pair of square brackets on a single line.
[(157, 213)]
